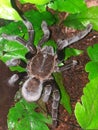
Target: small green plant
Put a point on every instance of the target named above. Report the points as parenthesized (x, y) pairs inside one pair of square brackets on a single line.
[(92, 66), (86, 112), (79, 16), (24, 117)]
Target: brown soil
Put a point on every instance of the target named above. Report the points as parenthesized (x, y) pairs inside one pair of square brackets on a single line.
[(6, 95), (74, 80)]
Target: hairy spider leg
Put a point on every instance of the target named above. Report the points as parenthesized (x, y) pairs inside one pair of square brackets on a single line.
[(48, 88), (28, 44), (55, 105), (16, 62), (15, 77), (46, 32), (14, 38), (65, 67), (30, 31), (46, 92), (64, 43)]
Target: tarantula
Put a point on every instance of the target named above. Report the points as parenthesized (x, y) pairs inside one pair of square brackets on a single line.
[(42, 62)]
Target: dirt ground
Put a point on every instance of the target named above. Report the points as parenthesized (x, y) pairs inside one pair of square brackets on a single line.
[(74, 80)]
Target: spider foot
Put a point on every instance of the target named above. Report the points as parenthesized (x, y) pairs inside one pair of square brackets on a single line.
[(69, 65), (55, 105), (14, 38), (46, 32), (28, 25), (55, 123), (13, 79), (64, 43), (46, 93), (17, 78), (16, 62), (8, 37)]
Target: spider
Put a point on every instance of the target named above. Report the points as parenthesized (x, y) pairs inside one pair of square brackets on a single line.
[(42, 63)]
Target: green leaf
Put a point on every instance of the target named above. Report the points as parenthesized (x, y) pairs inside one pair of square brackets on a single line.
[(7, 12), (72, 52), (87, 111), (93, 52), (92, 66), (71, 6), (82, 19), (37, 17), (14, 28), (11, 49), (73, 21), (65, 99), (24, 117), (37, 2), (41, 8)]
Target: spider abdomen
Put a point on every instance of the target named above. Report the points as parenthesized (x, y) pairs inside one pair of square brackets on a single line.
[(42, 65)]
